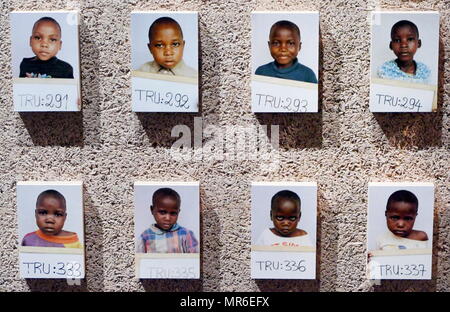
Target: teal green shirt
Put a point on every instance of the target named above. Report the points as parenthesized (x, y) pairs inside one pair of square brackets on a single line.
[(296, 71)]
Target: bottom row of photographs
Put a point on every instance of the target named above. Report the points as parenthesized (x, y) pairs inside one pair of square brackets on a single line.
[(283, 232)]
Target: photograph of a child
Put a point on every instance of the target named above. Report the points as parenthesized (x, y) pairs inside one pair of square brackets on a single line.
[(286, 44), (164, 232), (400, 218), (50, 215), (401, 212), (283, 215), (405, 47), (37, 45), (168, 46)]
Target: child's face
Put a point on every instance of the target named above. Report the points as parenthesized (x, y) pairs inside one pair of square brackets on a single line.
[(165, 211), (400, 218), (50, 215), (404, 43), (167, 45), (45, 41), (284, 45), (285, 216)]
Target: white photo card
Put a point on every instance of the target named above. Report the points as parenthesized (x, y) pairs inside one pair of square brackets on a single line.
[(284, 218), (404, 61), (167, 230), (51, 229), (400, 230), (164, 59), (285, 62), (45, 61)]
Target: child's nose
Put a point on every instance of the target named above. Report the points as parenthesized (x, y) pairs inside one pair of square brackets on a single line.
[(50, 218), (168, 50)]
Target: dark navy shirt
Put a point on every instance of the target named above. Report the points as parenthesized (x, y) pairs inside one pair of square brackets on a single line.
[(296, 71), (53, 68)]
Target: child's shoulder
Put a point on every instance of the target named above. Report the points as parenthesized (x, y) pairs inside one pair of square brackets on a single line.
[(27, 60), (63, 63), (67, 233), (418, 235), (300, 232), (264, 68)]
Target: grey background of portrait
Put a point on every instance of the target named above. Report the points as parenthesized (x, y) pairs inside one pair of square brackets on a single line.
[(342, 147)]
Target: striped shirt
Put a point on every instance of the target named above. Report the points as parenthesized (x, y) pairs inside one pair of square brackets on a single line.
[(39, 239), (176, 240)]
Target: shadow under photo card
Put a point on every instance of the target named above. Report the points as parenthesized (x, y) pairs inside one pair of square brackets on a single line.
[(400, 230), (45, 61), (284, 221), (51, 229), (404, 62), (167, 230), (164, 60), (285, 62)]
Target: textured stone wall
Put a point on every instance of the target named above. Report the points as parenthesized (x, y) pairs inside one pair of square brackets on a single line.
[(109, 147)]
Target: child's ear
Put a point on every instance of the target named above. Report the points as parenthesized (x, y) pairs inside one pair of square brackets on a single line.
[(268, 43), (271, 216), (385, 213), (419, 43), (299, 46), (390, 45)]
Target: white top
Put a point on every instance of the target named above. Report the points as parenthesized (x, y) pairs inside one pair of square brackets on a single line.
[(389, 241), (267, 238)]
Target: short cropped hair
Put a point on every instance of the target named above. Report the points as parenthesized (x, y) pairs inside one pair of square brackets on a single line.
[(403, 196), (285, 194), (51, 193), (166, 192), (163, 20), (47, 19), (404, 23), (285, 24)]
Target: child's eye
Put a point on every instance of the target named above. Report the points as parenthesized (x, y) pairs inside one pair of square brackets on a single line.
[(292, 218), (42, 212), (53, 39), (176, 44), (279, 218), (36, 38), (275, 43), (158, 45), (394, 217), (58, 214)]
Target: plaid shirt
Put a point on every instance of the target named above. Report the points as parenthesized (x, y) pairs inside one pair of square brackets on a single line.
[(177, 240)]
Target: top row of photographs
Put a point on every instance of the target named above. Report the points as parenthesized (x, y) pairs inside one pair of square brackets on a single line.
[(284, 61)]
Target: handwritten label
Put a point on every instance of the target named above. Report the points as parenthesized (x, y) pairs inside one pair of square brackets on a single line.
[(169, 268), (33, 265), (274, 95), (403, 267), (45, 95), (154, 95), (283, 265), (392, 98)]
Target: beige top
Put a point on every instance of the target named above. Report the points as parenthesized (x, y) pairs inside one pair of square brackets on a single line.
[(388, 241), (181, 69)]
